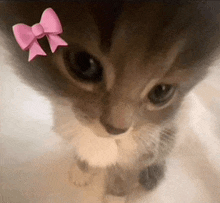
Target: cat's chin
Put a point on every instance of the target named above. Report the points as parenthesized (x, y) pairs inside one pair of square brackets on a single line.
[(97, 151), (100, 149)]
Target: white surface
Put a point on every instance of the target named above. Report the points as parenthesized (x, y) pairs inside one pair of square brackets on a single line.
[(34, 165)]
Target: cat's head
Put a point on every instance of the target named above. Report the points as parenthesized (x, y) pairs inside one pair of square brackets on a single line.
[(126, 70)]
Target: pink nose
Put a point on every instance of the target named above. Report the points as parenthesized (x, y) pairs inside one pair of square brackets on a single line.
[(38, 30), (111, 129), (117, 117)]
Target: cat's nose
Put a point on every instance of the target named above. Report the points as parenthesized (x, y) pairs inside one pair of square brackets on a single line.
[(111, 129), (117, 116)]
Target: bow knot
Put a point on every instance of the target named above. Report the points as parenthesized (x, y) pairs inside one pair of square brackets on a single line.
[(38, 30), (27, 36)]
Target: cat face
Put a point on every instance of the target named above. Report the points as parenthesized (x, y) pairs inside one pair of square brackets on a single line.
[(117, 87)]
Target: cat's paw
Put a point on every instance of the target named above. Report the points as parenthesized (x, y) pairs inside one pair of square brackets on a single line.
[(151, 176), (80, 176), (116, 186), (117, 181)]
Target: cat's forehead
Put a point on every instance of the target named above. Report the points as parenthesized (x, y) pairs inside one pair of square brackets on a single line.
[(134, 25), (125, 35)]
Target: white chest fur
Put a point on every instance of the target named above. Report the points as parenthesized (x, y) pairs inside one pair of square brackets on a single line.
[(97, 151)]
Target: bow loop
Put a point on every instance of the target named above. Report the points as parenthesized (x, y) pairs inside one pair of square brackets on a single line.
[(50, 22), (24, 35)]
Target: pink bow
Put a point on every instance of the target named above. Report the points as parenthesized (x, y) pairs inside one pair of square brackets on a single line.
[(27, 36)]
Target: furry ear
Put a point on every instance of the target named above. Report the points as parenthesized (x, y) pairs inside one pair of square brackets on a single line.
[(203, 36)]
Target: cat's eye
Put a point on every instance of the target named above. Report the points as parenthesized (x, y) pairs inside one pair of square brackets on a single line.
[(161, 94), (83, 66)]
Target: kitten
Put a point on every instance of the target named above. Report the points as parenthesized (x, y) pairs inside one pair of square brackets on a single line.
[(118, 88)]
